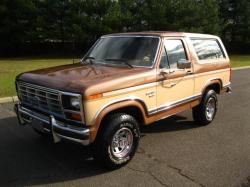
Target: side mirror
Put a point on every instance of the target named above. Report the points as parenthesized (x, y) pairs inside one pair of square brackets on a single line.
[(183, 64)]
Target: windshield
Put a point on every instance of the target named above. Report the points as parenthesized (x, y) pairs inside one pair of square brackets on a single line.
[(125, 50)]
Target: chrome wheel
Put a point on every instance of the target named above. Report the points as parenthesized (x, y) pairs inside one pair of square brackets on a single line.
[(122, 142), (210, 108)]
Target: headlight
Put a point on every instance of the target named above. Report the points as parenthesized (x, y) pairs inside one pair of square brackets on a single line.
[(75, 103), (71, 102), (72, 105)]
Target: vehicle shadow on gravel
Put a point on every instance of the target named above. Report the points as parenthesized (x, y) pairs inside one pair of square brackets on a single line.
[(173, 123), (29, 159)]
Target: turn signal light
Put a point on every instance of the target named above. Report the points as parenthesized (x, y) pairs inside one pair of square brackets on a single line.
[(75, 116), (96, 96)]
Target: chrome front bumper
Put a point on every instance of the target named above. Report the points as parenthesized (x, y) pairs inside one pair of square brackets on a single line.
[(58, 129)]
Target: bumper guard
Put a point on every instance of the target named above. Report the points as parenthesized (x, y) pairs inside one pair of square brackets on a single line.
[(59, 130)]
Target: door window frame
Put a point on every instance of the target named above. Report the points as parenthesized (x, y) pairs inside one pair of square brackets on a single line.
[(184, 44)]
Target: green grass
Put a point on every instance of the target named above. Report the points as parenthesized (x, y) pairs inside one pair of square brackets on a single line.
[(9, 68), (240, 60)]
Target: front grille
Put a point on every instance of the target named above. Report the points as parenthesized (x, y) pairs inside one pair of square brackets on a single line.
[(40, 98)]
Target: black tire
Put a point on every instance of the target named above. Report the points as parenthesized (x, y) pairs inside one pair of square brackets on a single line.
[(112, 128), (201, 113)]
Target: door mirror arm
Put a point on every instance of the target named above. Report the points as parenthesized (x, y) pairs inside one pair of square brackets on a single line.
[(166, 71)]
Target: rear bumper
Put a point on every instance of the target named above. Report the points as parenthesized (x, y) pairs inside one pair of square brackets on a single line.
[(227, 89), (58, 129)]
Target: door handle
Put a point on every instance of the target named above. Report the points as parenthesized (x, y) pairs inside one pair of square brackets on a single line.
[(172, 85), (189, 73), (169, 84)]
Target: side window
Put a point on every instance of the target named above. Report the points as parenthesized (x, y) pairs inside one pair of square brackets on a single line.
[(207, 49), (164, 59), (175, 51)]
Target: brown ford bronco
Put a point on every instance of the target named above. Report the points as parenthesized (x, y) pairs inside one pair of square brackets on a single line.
[(125, 80)]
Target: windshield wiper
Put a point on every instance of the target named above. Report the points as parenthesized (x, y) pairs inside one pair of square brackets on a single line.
[(88, 59), (120, 60)]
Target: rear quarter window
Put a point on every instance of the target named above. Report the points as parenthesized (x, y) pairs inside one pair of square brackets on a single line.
[(207, 49)]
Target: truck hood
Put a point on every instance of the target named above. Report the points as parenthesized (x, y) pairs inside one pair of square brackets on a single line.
[(89, 79)]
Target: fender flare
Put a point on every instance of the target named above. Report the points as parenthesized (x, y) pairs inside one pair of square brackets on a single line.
[(116, 105), (211, 82)]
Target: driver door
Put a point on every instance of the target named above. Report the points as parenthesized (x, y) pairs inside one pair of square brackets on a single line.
[(175, 86)]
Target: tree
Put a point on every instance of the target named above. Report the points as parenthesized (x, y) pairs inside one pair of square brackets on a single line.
[(83, 21), (236, 20), (17, 21)]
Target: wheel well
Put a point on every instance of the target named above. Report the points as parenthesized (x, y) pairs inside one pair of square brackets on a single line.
[(131, 110), (215, 86)]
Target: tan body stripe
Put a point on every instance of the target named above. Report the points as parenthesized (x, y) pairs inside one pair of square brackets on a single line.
[(143, 86)]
